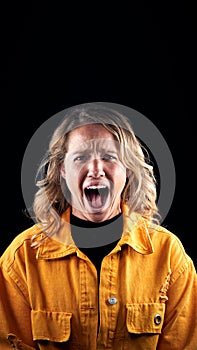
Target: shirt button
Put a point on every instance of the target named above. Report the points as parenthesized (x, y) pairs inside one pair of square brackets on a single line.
[(112, 301), (157, 319)]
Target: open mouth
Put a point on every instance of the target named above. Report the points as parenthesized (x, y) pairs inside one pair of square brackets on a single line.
[(97, 195)]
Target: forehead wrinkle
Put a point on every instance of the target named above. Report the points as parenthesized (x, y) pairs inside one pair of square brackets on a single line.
[(97, 145)]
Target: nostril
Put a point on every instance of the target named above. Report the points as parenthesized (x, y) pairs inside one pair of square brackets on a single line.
[(96, 173)]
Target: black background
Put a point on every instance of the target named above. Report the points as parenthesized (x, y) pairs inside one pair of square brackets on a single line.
[(141, 55)]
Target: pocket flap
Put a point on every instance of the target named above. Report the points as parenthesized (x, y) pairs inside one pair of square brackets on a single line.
[(145, 318), (50, 325)]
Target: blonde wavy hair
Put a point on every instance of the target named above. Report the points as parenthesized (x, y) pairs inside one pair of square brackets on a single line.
[(140, 192)]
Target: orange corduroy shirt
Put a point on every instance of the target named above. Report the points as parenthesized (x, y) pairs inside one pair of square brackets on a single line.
[(147, 295)]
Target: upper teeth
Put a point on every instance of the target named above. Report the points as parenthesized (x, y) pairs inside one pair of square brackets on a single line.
[(95, 187)]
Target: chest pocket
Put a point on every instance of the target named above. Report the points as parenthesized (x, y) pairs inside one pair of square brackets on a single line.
[(145, 318), (51, 326)]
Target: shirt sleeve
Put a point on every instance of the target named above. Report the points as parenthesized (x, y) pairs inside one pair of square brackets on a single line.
[(180, 325), (15, 319)]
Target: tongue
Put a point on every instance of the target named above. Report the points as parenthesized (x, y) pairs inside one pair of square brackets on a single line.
[(95, 199)]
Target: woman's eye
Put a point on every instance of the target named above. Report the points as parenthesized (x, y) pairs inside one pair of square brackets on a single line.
[(80, 158), (109, 157)]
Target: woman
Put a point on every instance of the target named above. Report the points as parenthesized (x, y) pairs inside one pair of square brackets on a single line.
[(97, 270)]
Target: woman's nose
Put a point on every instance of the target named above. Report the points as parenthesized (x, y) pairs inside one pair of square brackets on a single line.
[(95, 168)]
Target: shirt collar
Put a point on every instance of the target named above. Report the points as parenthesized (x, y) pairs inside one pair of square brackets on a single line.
[(135, 234)]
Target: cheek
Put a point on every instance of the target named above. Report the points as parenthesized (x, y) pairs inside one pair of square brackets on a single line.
[(73, 176), (122, 183), (119, 177)]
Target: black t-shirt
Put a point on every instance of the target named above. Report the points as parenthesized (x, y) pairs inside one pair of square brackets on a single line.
[(111, 228)]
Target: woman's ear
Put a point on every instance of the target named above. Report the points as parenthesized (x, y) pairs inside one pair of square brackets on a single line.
[(62, 170), (128, 173)]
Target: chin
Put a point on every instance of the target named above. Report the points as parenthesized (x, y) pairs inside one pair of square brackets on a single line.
[(100, 215)]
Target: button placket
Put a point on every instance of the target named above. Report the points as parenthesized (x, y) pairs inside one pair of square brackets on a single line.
[(88, 301), (108, 298)]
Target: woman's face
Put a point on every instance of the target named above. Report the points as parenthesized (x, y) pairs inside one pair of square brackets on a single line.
[(93, 173)]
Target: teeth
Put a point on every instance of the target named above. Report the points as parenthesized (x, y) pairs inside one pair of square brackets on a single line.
[(95, 187)]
